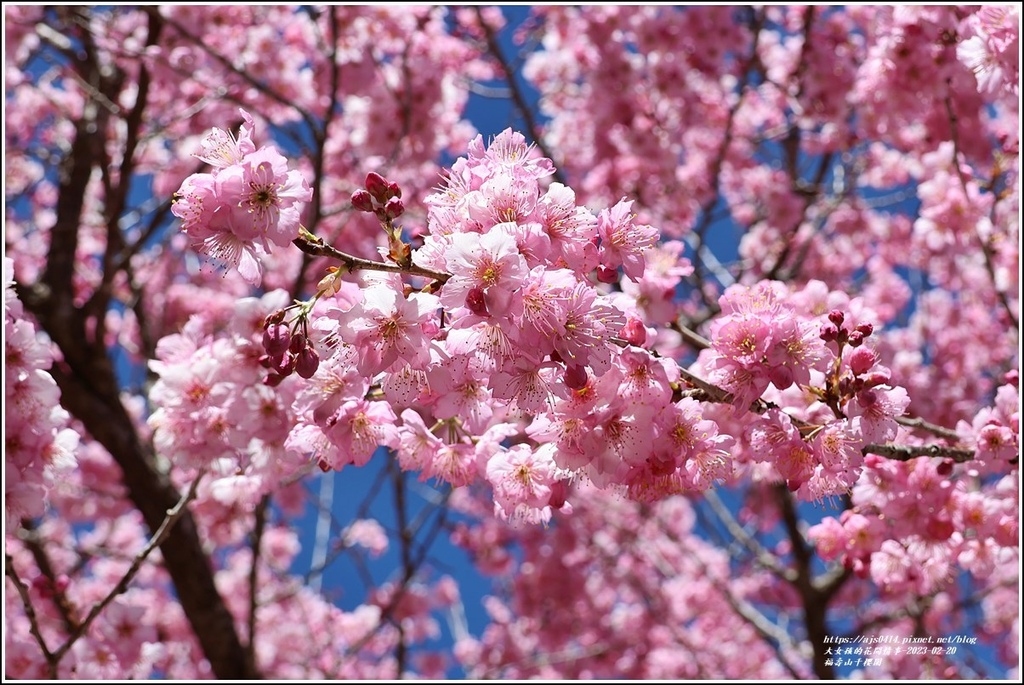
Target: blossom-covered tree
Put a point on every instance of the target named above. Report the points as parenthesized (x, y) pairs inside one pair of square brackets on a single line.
[(708, 364)]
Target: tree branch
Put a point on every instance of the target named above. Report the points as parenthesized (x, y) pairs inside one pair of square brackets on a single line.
[(908, 452), (312, 245), (524, 109), (172, 517), (30, 612)]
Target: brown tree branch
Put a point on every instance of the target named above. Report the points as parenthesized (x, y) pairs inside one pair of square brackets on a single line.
[(172, 517), (524, 109), (30, 612), (814, 608)]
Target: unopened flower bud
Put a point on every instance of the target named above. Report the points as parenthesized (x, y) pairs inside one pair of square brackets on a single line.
[(836, 317), (297, 344), (362, 201), (559, 491), (865, 329), (634, 332), (393, 208), (475, 302), (856, 338), (307, 362), (273, 380), (606, 274), (284, 364), (394, 190), (575, 377), (276, 338), (944, 468), (378, 187), (875, 378), (861, 359), (829, 332)]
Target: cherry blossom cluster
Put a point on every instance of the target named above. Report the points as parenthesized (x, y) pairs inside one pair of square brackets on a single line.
[(249, 202), (213, 408), (992, 49), (618, 589), (38, 445)]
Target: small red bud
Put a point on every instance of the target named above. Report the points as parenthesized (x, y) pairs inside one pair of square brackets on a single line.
[(634, 332), (944, 468), (606, 274), (393, 208), (559, 490), (856, 338), (377, 186), (276, 338), (307, 363), (861, 359), (875, 378), (362, 201), (476, 303), (575, 377), (394, 190), (829, 332), (284, 364), (297, 344), (836, 317), (865, 329)]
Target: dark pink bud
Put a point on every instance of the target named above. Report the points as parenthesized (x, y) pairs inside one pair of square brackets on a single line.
[(606, 274), (393, 208), (634, 332), (829, 332), (276, 338), (273, 380), (865, 329), (43, 586), (875, 378), (939, 529), (559, 491), (284, 364), (944, 468), (836, 317), (856, 338), (394, 190), (575, 377), (266, 361), (362, 201), (377, 186), (307, 363), (297, 344), (861, 360), (475, 302)]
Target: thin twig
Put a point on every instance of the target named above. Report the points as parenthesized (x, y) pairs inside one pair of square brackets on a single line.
[(761, 555), (908, 452), (257, 537), (158, 537), (516, 92), (30, 612), (918, 422), (316, 247)]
